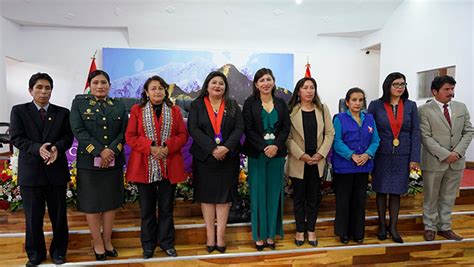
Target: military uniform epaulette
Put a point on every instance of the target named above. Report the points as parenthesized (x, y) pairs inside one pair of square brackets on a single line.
[(93, 101), (87, 97), (83, 96)]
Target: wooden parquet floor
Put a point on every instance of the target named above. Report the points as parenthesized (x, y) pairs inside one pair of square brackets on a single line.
[(190, 240)]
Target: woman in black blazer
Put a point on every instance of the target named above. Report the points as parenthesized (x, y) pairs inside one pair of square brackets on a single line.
[(267, 125), (216, 125)]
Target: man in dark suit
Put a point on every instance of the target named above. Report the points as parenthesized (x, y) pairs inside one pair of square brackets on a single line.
[(41, 131)]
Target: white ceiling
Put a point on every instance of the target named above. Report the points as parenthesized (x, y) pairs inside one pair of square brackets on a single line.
[(339, 18)]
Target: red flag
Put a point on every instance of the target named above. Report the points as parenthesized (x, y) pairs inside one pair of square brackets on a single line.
[(307, 73), (92, 68)]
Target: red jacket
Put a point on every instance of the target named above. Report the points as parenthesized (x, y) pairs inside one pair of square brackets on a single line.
[(137, 167)]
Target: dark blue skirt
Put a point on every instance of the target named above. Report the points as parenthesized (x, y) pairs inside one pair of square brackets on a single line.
[(390, 174)]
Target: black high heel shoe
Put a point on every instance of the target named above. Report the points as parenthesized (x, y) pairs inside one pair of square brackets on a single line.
[(396, 238), (210, 249), (111, 253), (313, 243), (382, 233), (221, 249), (299, 243), (99, 257), (259, 247), (272, 246)]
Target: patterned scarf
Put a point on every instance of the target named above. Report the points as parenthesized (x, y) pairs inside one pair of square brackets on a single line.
[(156, 168)]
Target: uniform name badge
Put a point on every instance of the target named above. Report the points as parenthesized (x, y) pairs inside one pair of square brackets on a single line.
[(396, 142)]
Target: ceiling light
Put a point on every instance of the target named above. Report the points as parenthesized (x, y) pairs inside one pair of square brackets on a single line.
[(170, 9), (298, 1), (117, 11), (69, 16), (277, 12)]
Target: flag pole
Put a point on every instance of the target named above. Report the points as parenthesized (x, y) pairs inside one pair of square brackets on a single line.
[(92, 68)]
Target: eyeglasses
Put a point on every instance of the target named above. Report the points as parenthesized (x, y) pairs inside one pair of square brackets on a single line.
[(399, 85)]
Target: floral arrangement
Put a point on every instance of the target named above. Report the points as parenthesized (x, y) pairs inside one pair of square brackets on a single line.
[(71, 186), (184, 190), (10, 198), (415, 182)]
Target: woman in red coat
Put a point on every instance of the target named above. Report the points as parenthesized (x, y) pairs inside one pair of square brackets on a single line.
[(156, 133)]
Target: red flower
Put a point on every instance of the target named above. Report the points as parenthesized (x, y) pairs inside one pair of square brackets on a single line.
[(4, 205), (5, 177)]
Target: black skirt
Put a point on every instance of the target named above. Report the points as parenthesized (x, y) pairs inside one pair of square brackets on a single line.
[(99, 190), (216, 181)]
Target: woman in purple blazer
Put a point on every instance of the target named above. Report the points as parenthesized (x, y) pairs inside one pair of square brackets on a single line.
[(397, 123)]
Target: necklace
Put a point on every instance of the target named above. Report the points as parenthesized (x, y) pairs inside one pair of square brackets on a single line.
[(269, 102), (268, 106), (216, 106)]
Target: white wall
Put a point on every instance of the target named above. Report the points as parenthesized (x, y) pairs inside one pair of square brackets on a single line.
[(337, 63), (64, 53), (419, 36), (4, 111)]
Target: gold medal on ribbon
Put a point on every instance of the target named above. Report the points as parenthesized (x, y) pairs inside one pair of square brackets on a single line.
[(396, 142), (218, 140)]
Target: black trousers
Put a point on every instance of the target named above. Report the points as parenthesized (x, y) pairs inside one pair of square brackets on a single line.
[(351, 195), (157, 230), (35, 199), (306, 198)]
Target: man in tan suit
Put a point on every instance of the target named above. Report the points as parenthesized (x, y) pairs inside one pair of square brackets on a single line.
[(446, 133)]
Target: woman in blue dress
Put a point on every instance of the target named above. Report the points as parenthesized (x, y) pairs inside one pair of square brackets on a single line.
[(397, 123)]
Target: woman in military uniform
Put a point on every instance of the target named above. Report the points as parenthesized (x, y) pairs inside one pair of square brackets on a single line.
[(98, 123)]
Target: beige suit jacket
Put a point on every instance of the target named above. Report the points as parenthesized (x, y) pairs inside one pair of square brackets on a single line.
[(439, 139), (295, 143)]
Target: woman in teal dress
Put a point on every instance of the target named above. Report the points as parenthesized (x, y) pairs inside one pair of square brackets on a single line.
[(267, 125)]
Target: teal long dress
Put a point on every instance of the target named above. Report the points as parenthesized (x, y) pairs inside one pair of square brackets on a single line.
[(266, 183)]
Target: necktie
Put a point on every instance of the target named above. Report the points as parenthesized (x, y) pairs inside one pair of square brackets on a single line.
[(42, 114), (102, 105), (446, 113)]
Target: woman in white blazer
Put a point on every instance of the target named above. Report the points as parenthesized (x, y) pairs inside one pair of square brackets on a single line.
[(310, 139)]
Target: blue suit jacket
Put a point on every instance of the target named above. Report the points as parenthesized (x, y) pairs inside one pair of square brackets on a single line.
[(410, 134)]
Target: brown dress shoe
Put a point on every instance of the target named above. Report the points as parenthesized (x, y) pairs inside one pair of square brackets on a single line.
[(449, 234), (429, 235)]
